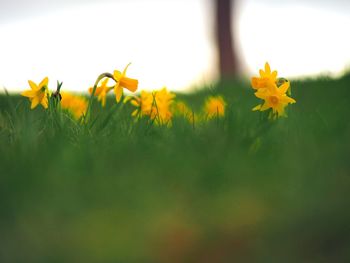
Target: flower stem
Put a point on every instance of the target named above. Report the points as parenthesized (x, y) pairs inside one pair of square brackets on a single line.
[(99, 78)]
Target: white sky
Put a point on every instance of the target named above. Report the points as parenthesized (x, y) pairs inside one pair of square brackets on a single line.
[(168, 42), (298, 39)]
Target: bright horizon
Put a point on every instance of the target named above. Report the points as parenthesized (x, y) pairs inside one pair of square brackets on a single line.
[(165, 48)]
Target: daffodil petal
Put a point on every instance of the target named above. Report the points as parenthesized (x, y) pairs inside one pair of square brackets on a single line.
[(125, 69), (280, 110), (267, 68), (102, 98), (118, 93), (261, 73), (28, 93), (284, 87), (105, 82), (261, 94), (44, 82), (274, 74), (44, 103), (32, 85), (130, 84), (287, 99), (117, 75), (35, 102), (255, 83), (258, 107), (265, 106)]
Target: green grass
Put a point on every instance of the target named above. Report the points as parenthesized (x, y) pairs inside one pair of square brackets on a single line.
[(238, 189)]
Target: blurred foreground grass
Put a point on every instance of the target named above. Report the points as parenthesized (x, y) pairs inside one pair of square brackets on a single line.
[(240, 189)]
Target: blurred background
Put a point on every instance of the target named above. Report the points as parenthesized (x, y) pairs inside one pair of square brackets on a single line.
[(176, 43)]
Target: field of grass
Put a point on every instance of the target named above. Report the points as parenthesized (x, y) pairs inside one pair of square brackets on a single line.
[(237, 189)]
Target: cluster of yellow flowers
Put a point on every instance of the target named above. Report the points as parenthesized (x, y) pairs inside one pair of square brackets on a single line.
[(272, 91), (160, 106), (78, 105), (121, 81), (39, 94), (156, 105), (215, 107)]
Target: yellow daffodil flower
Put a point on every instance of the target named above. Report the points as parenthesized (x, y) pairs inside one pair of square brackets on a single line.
[(161, 107), (76, 105), (215, 107), (274, 98), (143, 104), (102, 91), (156, 105), (38, 93), (266, 78), (123, 82)]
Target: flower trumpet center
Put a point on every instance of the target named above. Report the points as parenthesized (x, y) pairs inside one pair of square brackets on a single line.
[(274, 100)]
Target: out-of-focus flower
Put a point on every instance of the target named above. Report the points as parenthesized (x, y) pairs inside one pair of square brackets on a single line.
[(76, 105), (215, 107), (181, 108), (38, 94), (156, 105), (274, 98), (161, 108), (123, 82), (143, 104), (102, 91)]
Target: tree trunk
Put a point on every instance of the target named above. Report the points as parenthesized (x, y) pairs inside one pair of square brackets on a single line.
[(228, 63)]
